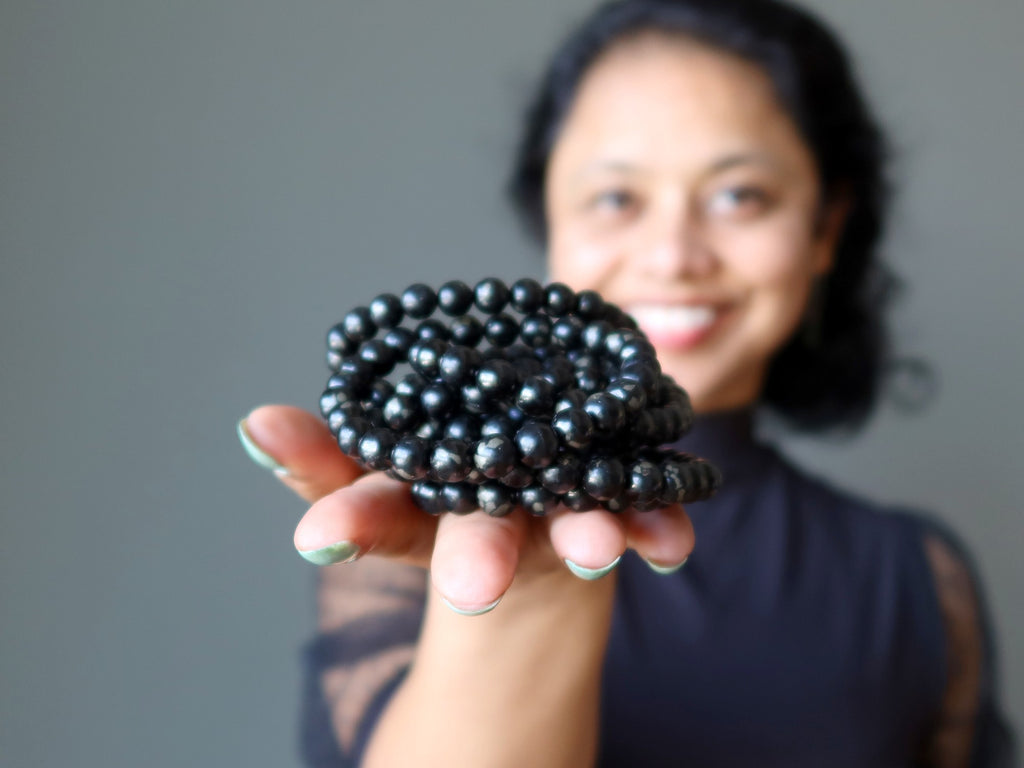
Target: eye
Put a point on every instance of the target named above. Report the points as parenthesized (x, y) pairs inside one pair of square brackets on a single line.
[(614, 200), (739, 201)]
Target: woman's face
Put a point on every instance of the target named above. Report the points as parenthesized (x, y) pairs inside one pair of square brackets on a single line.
[(680, 189)]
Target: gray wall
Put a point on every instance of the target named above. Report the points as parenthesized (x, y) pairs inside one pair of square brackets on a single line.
[(191, 192)]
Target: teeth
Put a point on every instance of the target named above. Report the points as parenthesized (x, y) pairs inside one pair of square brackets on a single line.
[(677, 318)]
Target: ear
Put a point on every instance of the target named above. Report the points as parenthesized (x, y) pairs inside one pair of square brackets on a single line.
[(831, 223)]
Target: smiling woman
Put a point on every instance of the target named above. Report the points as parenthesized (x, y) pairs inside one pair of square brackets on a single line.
[(711, 166)]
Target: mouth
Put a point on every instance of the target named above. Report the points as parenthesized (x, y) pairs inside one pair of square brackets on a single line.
[(678, 327)]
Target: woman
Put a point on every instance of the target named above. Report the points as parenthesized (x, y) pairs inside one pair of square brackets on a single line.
[(710, 166)]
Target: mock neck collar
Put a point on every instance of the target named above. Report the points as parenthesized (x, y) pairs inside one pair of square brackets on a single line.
[(727, 440)]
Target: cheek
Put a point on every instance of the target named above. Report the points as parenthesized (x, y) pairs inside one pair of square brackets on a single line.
[(581, 261)]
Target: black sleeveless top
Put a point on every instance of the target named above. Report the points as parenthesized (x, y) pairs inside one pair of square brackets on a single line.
[(805, 630)]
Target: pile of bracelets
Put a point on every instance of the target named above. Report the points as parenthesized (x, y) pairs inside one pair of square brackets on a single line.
[(498, 396)]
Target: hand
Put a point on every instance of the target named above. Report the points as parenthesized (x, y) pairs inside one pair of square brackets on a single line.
[(472, 558)]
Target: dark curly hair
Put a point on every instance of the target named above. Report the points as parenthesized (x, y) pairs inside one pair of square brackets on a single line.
[(831, 378)]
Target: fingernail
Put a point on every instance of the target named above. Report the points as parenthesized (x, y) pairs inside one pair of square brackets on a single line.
[(592, 574), (257, 454), (665, 570), (342, 552), (473, 612)]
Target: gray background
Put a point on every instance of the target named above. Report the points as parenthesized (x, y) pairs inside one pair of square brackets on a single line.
[(191, 192)]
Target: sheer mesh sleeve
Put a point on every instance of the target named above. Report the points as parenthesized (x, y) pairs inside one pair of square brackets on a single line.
[(369, 613)]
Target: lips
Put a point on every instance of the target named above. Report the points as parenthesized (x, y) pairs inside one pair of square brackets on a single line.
[(677, 326)]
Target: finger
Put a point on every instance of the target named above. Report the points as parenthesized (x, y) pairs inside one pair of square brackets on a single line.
[(590, 543), (663, 537), (475, 559), (298, 448), (373, 515)]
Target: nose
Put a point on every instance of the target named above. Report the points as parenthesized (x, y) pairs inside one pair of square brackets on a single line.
[(675, 246)]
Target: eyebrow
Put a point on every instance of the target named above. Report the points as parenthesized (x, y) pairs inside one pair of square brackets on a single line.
[(720, 165)]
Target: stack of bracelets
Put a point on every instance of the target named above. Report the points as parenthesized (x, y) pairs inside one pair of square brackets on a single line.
[(566, 403)]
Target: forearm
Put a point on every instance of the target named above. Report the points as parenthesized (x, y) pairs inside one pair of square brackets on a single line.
[(518, 686)]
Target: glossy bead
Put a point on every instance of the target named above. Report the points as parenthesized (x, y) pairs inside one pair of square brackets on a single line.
[(609, 414), (338, 417), (535, 330), (560, 299), (645, 482), (537, 501), (459, 498), (498, 424), (400, 412), (644, 372), (537, 444), (467, 331), (427, 497), (333, 359), (495, 499), (400, 339), (455, 298), (527, 295), (589, 380), (378, 354), (494, 456), (629, 392), (496, 378), (358, 325), (410, 458), (449, 460), (386, 311), (338, 341), (375, 448), (437, 400), (491, 295), (594, 334), (603, 478), (563, 475), (579, 500), (425, 356), (567, 331), (614, 341), (430, 430), (380, 392), (332, 398), (418, 301), (410, 385), (463, 426), (518, 477), (637, 349), (474, 400), (536, 397), (674, 483), (350, 433), (458, 364), (590, 305), (619, 503), (574, 427), (570, 398), (559, 372), (432, 329), (501, 330)]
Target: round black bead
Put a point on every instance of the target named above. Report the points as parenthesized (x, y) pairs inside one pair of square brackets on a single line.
[(400, 339), (401, 412), (463, 426), (410, 458), (386, 310), (432, 329), (603, 478), (332, 398), (498, 424), (455, 298), (491, 295), (380, 392), (459, 498), (467, 331), (501, 330), (430, 430), (537, 501), (418, 301), (495, 499), (378, 354), (449, 460), (338, 341), (563, 475), (337, 418), (474, 400), (574, 427), (496, 378), (458, 363), (536, 397), (590, 305), (644, 372), (535, 330), (608, 413), (425, 356), (375, 448), (579, 500), (358, 325), (410, 385), (527, 295), (674, 483), (594, 334), (350, 433), (630, 393), (494, 456), (637, 349), (537, 444), (560, 299), (559, 371), (570, 398), (427, 497), (437, 400), (519, 477), (645, 482), (566, 332), (333, 359)]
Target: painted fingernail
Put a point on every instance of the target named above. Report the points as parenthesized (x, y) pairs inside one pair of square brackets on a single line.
[(342, 552), (474, 611), (592, 574), (257, 454), (665, 570)]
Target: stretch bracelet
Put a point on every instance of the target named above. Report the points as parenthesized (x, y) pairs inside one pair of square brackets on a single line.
[(495, 397)]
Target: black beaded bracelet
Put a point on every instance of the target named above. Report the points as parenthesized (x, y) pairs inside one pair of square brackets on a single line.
[(527, 396)]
